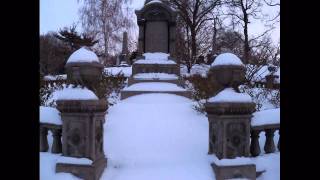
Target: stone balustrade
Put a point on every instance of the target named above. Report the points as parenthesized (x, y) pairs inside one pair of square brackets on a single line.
[(56, 131), (269, 146)]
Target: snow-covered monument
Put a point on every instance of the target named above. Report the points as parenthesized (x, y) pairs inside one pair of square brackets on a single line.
[(155, 69)]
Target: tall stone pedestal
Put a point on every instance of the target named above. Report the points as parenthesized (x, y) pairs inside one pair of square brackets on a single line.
[(229, 137), (82, 133)]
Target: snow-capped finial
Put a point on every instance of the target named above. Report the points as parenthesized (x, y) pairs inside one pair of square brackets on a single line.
[(83, 55), (227, 59)]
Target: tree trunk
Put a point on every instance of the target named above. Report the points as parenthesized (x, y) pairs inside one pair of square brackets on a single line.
[(246, 39)]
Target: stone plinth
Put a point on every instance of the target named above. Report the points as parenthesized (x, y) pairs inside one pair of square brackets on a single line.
[(247, 171), (82, 136), (229, 128)]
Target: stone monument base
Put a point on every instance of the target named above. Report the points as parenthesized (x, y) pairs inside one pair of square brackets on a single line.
[(87, 172), (223, 172)]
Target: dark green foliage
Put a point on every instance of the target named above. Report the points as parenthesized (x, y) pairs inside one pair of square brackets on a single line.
[(74, 39)]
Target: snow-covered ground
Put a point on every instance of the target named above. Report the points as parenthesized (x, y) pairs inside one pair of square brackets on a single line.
[(158, 137), (200, 69), (127, 71)]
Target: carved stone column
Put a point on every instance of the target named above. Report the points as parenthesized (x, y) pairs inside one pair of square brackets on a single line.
[(269, 146), (255, 146), (43, 139), (56, 145)]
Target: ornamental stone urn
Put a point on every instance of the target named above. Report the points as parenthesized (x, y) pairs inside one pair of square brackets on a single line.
[(83, 68)]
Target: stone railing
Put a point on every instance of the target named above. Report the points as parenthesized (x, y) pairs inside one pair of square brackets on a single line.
[(56, 131), (269, 146)]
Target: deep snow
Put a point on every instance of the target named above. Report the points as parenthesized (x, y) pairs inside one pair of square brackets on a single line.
[(158, 137)]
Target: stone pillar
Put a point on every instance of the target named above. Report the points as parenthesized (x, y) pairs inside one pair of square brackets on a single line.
[(82, 133), (82, 128), (44, 146), (230, 122), (56, 145), (255, 146), (269, 146)]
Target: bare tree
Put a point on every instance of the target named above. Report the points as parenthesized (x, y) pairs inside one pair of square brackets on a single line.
[(106, 20), (194, 14), (242, 11)]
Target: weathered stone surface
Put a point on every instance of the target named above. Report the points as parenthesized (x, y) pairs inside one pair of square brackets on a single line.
[(238, 171)]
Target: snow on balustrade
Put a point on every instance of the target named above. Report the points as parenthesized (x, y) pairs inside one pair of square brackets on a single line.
[(50, 115), (266, 117), (162, 76)]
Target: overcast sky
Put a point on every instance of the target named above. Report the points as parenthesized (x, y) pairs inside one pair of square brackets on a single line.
[(56, 14)]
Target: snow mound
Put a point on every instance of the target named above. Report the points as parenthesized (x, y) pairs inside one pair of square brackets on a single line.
[(74, 160), (266, 117), (227, 59), (154, 86), (50, 115), (155, 58), (83, 55), (163, 76), (77, 93), (230, 95), (156, 137)]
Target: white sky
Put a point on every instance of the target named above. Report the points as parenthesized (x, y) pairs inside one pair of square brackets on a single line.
[(56, 14)]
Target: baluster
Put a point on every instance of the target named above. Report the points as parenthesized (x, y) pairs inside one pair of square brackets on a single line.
[(43, 139), (269, 146), (279, 141), (255, 147), (56, 145)]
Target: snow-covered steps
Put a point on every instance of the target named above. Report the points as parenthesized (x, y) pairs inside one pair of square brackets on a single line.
[(155, 77), (154, 87)]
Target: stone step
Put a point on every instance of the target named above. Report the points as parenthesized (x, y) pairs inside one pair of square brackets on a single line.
[(154, 87), (178, 82)]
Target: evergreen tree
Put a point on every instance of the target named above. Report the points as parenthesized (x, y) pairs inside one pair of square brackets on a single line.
[(74, 39)]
